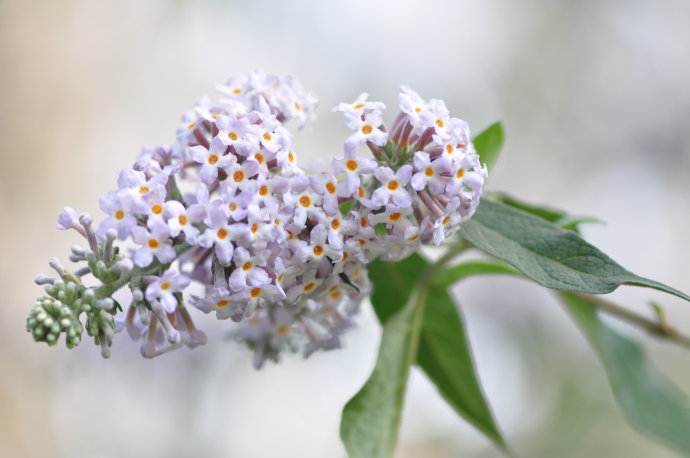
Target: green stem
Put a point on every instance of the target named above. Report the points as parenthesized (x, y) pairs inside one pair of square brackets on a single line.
[(107, 290), (656, 328)]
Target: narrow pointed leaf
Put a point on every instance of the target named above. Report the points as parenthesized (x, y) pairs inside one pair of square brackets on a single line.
[(470, 268), (371, 419), (551, 256), (553, 215), (489, 143), (650, 402), (444, 353)]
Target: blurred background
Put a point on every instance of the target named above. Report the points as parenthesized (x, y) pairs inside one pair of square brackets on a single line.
[(595, 97)]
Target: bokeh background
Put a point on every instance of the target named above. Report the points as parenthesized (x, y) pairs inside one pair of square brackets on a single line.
[(595, 97)]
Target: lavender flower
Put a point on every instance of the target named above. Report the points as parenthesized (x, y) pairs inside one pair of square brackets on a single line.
[(280, 252)]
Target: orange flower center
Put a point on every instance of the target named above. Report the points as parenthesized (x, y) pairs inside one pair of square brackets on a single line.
[(119, 214), (394, 216), (232, 136), (153, 244), (351, 165), (309, 287), (156, 209), (238, 176), (222, 233), (183, 220), (330, 187), (246, 266), (305, 201), (222, 303), (392, 185), (429, 172), (367, 129), (318, 250), (212, 159), (165, 286), (255, 292)]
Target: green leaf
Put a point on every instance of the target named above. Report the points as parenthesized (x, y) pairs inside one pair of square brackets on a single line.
[(371, 419), (489, 143), (444, 353), (380, 229), (470, 268), (551, 256), (650, 402), (552, 215), (346, 206)]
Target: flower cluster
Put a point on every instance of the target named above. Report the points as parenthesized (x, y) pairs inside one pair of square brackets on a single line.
[(280, 252)]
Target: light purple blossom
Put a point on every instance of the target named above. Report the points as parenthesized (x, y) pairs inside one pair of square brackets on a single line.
[(155, 242), (211, 159), (163, 289), (393, 186)]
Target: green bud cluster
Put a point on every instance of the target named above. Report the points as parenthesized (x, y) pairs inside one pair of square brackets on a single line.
[(61, 310), (49, 318)]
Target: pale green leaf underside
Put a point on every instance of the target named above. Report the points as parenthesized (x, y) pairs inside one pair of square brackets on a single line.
[(370, 420), (649, 401), (444, 352)]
